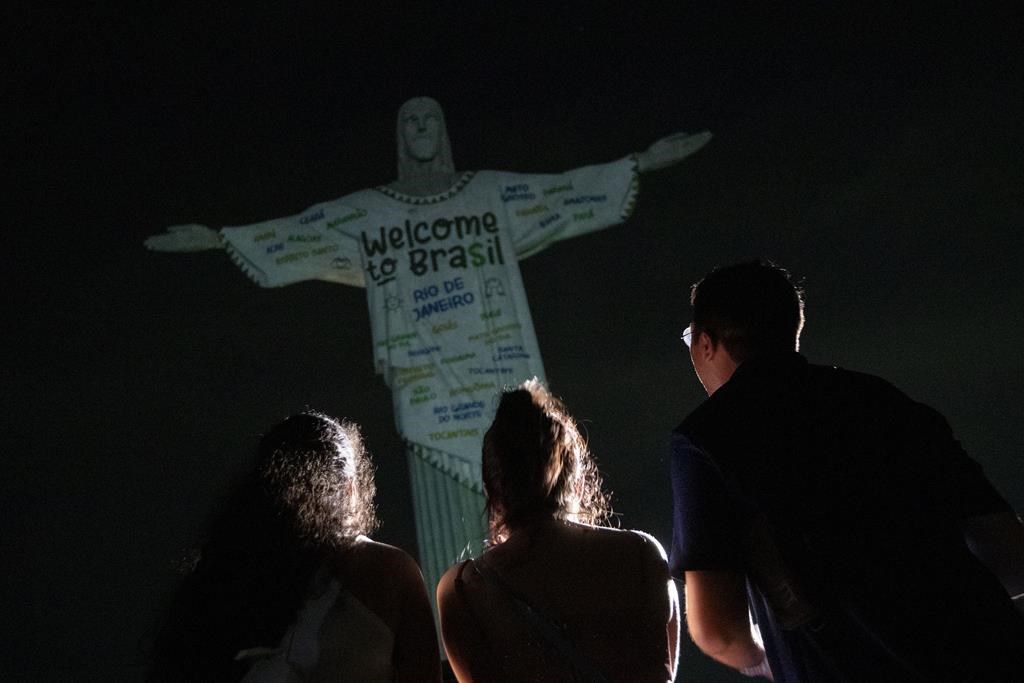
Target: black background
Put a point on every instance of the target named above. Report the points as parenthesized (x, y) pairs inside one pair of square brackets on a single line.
[(874, 152)]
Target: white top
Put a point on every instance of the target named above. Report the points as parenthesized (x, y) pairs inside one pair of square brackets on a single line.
[(334, 636)]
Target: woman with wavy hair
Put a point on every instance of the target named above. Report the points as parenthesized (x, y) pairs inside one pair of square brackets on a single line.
[(288, 586), (557, 596)]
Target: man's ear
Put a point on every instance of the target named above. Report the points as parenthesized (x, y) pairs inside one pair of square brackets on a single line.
[(706, 347)]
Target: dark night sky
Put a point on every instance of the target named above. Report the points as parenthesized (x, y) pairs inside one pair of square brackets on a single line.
[(876, 153)]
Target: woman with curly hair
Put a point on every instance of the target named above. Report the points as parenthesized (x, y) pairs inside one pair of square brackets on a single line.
[(288, 586), (557, 596)]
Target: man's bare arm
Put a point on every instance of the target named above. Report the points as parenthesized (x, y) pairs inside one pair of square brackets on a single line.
[(717, 617)]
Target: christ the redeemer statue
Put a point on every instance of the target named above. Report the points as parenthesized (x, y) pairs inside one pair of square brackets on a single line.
[(438, 253)]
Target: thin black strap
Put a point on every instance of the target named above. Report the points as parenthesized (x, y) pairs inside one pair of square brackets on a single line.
[(553, 634)]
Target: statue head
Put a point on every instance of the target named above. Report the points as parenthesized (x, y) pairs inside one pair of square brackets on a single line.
[(423, 145)]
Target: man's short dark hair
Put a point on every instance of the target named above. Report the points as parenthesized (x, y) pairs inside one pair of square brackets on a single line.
[(752, 308)]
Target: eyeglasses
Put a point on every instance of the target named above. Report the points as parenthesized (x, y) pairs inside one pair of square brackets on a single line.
[(686, 335)]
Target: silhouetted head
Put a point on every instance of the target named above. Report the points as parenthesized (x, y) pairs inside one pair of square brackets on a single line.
[(740, 312), (536, 464), (422, 136), (315, 473), (752, 308)]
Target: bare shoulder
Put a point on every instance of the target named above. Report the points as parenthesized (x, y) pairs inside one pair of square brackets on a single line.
[(652, 554), (652, 547), (385, 579), (446, 589), (388, 581), (381, 573), (450, 574), (632, 539), (374, 556), (642, 546)]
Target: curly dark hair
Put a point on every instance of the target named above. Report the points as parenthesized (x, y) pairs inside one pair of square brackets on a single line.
[(315, 471), (309, 496), (537, 466)]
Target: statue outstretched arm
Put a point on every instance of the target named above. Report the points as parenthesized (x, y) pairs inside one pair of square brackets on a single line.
[(670, 150), (282, 250), (183, 238)]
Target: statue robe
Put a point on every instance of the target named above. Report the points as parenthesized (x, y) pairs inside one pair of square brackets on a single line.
[(450, 320)]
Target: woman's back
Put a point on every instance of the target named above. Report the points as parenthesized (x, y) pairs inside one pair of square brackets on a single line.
[(287, 585), (563, 601)]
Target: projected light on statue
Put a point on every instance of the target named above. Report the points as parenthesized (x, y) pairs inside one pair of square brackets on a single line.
[(438, 253)]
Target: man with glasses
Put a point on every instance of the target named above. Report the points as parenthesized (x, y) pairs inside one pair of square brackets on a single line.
[(833, 509)]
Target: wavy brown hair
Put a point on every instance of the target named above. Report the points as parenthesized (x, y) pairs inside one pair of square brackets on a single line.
[(536, 465), (308, 497)]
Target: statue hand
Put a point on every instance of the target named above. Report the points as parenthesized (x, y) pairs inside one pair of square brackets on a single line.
[(671, 150), (190, 237)]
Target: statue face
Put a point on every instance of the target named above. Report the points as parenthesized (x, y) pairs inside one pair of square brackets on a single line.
[(421, 129)]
